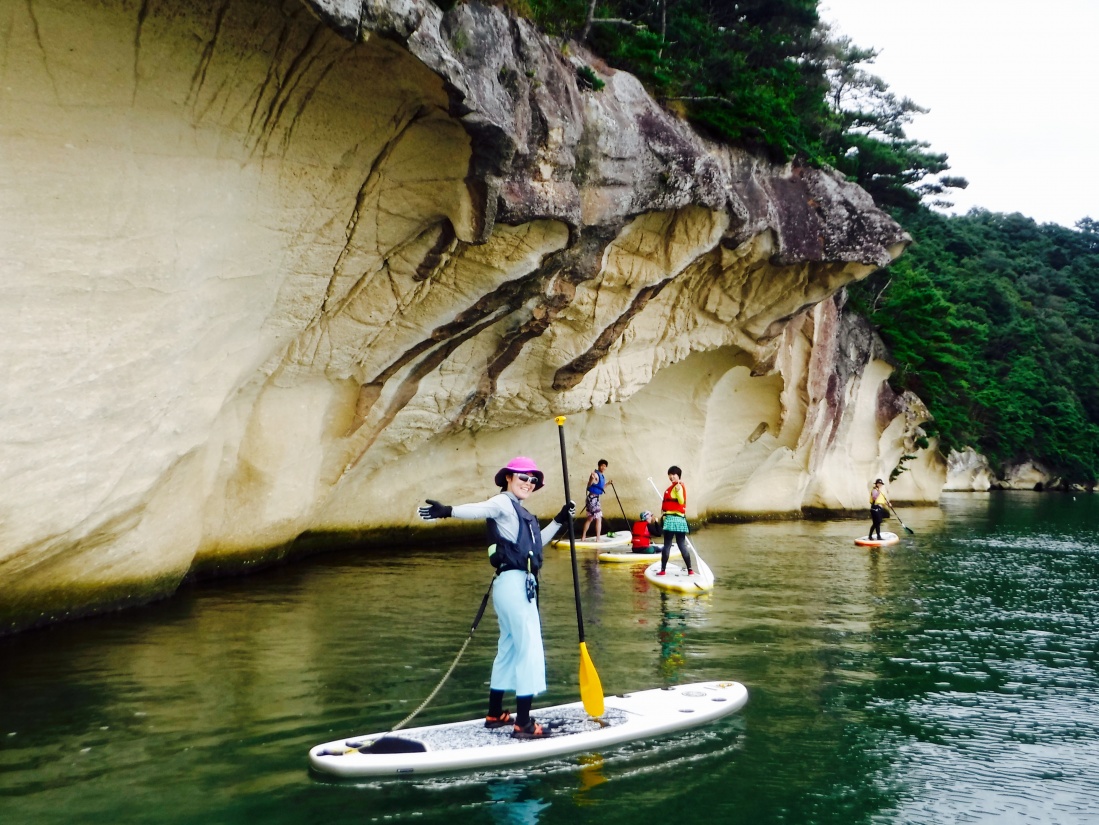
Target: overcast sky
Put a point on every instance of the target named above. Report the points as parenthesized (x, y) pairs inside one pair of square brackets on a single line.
[(1013, 89)]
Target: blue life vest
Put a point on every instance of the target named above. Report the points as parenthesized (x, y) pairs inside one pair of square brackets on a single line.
[(597, 489), (514, 555)]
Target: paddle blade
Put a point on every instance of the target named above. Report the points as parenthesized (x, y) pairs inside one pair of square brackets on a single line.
[(591, 689), (911, 532)]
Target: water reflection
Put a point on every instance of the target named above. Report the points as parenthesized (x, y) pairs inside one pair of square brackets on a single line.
[(678, 613), (951, 677), (590, 775), (998, 665), (512, 805), (672, 635)]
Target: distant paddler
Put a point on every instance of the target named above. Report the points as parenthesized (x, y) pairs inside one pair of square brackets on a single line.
[(642, 531), (597, 485), (878, 502), (673, 510)]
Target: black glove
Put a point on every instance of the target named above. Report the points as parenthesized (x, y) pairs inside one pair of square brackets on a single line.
[(567, 512), (435, 510)]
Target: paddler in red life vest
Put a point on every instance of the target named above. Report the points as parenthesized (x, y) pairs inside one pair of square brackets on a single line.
[(674, 516), (642, 534), (878, 513), (520, 663)]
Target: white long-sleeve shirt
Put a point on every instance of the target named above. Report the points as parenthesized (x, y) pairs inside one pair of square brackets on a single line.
[(499, 509)]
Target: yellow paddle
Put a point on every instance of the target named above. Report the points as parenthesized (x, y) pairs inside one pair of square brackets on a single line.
[(591, 689)]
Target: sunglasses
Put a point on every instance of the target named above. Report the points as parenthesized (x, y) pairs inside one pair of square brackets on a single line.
[(526, 478)]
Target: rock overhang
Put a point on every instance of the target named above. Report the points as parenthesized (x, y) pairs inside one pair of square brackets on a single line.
[(355, 259)]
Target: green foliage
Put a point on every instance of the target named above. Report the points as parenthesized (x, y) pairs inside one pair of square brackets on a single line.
[(589, 79), (866, 137), (993, 319), (994, 322), (562, 18), (763, 74), (899, 470), (766, 75), (740, 71)]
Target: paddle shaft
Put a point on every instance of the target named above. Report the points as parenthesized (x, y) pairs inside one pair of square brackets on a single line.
[(659, 494), (905, 526), (572, 532), (620, 507)]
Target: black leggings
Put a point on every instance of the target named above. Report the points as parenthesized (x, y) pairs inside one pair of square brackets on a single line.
[(681, 540), (522, 706), (877, 515)]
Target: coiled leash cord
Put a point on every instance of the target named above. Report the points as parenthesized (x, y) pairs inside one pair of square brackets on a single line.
[(438, 687)]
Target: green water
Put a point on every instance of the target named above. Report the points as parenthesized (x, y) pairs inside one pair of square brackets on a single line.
[(951, 678)]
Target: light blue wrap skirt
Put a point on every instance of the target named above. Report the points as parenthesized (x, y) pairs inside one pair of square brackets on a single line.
[(520, 664)]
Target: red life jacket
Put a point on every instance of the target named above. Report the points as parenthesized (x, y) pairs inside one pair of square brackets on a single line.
[(640, 532), (670, 505)]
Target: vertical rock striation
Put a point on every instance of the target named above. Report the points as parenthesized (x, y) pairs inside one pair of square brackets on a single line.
[(270, 268)]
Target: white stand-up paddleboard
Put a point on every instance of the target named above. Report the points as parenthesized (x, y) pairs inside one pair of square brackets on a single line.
[(466, 745), (676, 580), (886, 539), (623, 538), (629, 557)]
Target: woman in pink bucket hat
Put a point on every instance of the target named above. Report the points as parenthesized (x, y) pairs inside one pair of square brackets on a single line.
[(516, 553)]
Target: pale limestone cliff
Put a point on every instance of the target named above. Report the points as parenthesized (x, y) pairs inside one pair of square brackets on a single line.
[(968, 471), (1029, 475), (264, 273)]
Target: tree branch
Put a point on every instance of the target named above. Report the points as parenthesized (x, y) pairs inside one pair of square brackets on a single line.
[(587, 21)]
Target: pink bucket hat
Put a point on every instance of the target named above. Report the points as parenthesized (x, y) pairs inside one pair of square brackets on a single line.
[(520, 464)]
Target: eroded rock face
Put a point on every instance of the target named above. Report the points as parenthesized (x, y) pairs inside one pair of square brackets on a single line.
[(264, 273), (1030, 475), (968, 471)]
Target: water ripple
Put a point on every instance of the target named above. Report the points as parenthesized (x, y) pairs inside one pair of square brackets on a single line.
[(953, 678)]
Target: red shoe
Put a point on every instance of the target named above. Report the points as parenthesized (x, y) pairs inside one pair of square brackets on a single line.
[(661, 573), (531, 730), (498, 721)]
